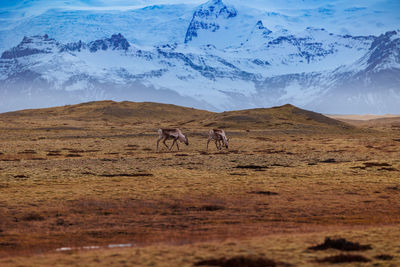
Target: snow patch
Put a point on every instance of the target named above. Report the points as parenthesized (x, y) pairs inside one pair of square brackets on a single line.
[(62, 249)]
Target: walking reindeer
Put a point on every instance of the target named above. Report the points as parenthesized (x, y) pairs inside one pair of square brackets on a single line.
[(219, 137), (175, 134)]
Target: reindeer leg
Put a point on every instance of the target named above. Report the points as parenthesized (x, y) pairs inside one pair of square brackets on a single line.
[(177, 144), (208, 141), (158, 141), (165, 143), (216, 144), (173, 143)]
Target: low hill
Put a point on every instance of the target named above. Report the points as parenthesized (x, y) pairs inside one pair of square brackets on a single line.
[(287, 117), (371, 121), (111, 110), (282, 117), (365, 117)]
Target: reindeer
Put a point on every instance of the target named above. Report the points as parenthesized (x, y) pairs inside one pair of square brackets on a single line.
[(175, 134), (219, 137)]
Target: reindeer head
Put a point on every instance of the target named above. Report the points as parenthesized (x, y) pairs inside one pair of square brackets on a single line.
[(183, 138), (226, 142), (186, 141)]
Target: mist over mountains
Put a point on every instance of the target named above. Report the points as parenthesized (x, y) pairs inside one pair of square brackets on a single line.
[(216, 56)]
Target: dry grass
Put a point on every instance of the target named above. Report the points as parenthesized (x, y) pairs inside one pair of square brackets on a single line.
[(80, 178)]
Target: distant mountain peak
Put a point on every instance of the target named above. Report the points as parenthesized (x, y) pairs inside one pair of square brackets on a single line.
[(43, 44), (258, 36), (385, 51), (213, 5), (116, 42), (260, 26), (206, 18), (386, 37), (37, 44)]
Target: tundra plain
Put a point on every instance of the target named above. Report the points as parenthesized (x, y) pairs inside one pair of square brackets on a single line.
[(76, 179)]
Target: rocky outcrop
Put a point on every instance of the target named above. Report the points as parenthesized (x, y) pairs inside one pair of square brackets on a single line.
[(30, 46), (116, 42)]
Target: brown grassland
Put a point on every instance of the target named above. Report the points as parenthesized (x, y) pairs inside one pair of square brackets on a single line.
[(87, 176)]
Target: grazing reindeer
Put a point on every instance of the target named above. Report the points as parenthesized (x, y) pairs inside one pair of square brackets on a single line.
[(218, 135), (175, 134)]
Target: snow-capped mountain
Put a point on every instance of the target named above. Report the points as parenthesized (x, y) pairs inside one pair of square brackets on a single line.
[(372, 82), (226, 59)]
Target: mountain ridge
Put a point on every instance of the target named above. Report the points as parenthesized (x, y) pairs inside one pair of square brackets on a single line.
[(313, 69)]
